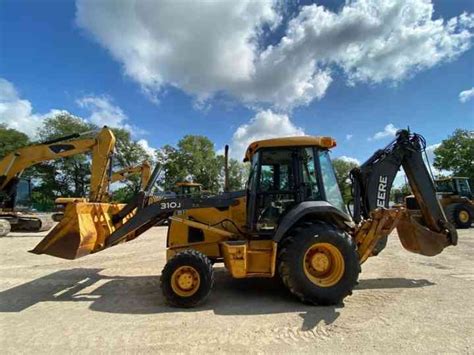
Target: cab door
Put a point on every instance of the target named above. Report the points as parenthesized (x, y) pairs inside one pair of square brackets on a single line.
[(273, 188)]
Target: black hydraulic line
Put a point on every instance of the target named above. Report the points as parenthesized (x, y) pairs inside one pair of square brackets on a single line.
[(60, 139), (154, 177), (70, 136)]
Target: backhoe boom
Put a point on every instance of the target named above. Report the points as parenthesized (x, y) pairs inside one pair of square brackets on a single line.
[(372, 183)]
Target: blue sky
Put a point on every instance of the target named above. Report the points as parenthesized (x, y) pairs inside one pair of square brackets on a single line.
[(63, 55)]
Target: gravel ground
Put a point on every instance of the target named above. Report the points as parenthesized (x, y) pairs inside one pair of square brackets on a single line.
[(111, 302)]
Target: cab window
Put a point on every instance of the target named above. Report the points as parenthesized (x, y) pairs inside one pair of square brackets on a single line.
[(310, 183), (463, 187), (331, 188)]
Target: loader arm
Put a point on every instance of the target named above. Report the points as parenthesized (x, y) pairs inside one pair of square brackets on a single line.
[(13, 165), (426, 231)]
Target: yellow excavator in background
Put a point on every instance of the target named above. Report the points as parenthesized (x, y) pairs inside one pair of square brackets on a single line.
[(290, 221), (13, 165), (144, 169)]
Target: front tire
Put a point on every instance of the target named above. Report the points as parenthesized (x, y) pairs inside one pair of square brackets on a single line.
[(187, 279), (319, 263)]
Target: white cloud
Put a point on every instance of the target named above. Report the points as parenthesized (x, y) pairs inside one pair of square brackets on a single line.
[(349, 159), (18, 113), (389, 131), (103, 111), (430, 153), (147, 148), (205, 48), (466, 95), (264, 125), (349, 137)]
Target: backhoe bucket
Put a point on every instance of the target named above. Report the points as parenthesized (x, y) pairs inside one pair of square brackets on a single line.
[(417, 238), (83, 230)]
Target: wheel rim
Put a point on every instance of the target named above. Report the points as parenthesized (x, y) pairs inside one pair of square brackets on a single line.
[(323, 264), (185, 281), (463, 216)]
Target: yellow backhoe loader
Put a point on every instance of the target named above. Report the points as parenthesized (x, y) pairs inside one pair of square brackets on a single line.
[(290, 221), (13, 165)]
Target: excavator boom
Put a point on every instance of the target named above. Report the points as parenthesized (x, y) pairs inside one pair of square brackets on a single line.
[(13, 165), (144, 169)]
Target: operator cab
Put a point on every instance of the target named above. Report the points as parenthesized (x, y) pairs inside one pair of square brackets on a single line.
[(188, 189), (454, 186), (16, 195), (285, 172)]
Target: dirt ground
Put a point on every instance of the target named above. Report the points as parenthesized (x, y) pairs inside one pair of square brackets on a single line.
[(111, 302)]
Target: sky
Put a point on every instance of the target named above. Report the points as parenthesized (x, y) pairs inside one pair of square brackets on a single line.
[(238, 71)]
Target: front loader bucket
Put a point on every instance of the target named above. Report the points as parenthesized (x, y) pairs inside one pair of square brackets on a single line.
[(83, 230), (417, 238)]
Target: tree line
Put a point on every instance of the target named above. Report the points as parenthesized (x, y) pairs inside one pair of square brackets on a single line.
[(194, 158)]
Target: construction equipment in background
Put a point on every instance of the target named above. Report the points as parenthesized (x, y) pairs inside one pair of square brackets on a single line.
[(188, 189), (290, 220), (456, 197), (13, 165), (144, 169)]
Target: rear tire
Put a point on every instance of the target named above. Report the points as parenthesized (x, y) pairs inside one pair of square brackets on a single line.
[(187, 279), (319, 263)]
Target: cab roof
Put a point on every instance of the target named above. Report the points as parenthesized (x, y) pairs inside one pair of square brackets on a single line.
[(300, 141)]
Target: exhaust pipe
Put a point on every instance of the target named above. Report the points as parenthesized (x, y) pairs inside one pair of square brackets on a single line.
[(226, 168)]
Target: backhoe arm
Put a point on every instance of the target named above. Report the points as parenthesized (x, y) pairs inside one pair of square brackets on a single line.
[(13, 165), (425, 231)]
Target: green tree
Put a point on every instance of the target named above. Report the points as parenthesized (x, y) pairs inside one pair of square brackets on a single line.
[(398, 194), (68, 176), (238, 174), (456, 154), (123, 194), (172, 172), (11, 139), (71, 176), (194, 159), (127, 153), (342, 168)]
